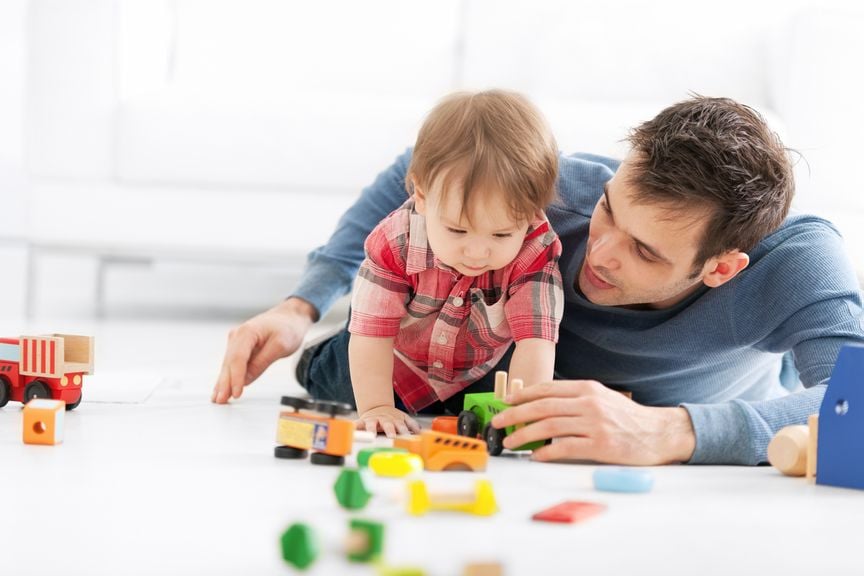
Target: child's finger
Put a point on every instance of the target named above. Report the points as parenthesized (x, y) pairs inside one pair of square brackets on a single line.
[(413, 425), (389, 428), (402, 428)]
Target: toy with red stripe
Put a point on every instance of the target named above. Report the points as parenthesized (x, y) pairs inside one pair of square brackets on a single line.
[(51, 366)]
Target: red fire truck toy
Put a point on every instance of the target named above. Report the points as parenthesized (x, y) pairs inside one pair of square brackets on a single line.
[(50, 366)]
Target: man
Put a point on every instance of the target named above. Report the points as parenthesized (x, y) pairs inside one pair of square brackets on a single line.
[(685, 284)]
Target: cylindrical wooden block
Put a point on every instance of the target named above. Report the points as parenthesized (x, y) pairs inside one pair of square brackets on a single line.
[(787, 452)]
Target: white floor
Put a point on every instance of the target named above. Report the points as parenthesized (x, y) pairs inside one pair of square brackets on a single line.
[(153, 479)]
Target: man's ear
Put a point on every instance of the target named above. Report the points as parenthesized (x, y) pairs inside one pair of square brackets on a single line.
[(721, 269), (419, 197)]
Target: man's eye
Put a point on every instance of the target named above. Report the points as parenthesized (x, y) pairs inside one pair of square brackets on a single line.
[(643, 254)]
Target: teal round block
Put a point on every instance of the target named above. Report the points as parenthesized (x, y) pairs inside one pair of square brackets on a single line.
[(618, 479)]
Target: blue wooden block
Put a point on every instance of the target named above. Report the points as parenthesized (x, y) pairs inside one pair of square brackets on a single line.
[(840, 458), (617, 479)]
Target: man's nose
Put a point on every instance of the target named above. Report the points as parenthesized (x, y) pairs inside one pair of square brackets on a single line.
[(605, 252)]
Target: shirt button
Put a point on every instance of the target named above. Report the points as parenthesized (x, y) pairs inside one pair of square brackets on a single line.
[(442, 339), (438, 364), (457, 301)]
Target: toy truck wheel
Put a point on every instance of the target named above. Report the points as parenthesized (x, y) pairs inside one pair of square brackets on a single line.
[(326, 459), (36, 389), (296, 403), (289, 453), (332, 408), (494, 440), (468, 424), (75, 404), (5, 391)]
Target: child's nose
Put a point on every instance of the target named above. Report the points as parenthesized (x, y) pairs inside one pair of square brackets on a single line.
[(477, 250)]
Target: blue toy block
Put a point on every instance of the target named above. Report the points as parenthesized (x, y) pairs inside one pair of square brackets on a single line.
[(617, 479), (840, 458)]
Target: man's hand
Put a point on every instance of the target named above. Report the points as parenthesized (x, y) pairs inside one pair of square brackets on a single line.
[(387, 419), (257, 343), (591, 422)]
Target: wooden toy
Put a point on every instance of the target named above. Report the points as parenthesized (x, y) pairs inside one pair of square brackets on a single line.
[(479, 409), (812, 447), (365, 454), (841, 423), (351, 491), (365, 543), (480, 502), (312, 424), (364, 436), (446, 424), (569, 512), (441, 451), (51, 366), (43, 421), (395, 464), (483, 569), (400, 571), (787, 451), (620, 479)]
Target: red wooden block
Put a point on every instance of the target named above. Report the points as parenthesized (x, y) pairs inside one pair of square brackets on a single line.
[(569, 512)]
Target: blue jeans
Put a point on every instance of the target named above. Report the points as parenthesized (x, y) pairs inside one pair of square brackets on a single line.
[(329, 377)]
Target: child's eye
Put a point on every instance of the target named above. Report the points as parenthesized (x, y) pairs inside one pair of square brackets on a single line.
[(455, 230), (504, 235)]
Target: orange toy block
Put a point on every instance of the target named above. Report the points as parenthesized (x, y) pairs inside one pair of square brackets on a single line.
[(441, 451), (446, 424), (43, 421)]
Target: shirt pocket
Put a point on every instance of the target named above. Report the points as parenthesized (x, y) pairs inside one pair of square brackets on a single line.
[(485, 315)]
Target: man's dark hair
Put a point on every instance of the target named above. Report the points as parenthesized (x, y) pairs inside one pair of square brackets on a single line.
[(719, 155)]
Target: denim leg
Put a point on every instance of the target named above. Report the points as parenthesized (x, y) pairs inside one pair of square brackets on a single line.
[(328, 376)]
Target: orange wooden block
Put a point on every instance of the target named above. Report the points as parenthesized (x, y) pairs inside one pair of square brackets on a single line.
[(446, 424), (43, 421)]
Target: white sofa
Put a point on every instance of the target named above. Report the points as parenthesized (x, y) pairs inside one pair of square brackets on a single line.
[(240, 130)]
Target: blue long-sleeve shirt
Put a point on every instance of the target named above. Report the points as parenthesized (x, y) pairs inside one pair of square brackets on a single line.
[(717, 353)]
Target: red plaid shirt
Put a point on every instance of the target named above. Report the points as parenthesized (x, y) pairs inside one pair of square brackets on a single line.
[(450, 330)]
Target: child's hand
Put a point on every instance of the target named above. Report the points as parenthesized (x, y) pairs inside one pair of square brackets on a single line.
[(387, 419)]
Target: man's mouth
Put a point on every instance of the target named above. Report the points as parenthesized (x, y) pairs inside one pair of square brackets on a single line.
[(595, 280)]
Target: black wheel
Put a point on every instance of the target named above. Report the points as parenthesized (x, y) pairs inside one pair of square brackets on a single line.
[(36, 389), (75, 404), (296, 403), (5, 391), (494, 440), (326, 459), (332, 408), (467, 424), (290, 453)]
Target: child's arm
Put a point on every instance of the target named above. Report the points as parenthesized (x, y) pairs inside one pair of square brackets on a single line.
[(371, 364), (533, 361)]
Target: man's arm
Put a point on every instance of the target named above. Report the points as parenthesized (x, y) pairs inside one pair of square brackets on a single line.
[(330, 269)]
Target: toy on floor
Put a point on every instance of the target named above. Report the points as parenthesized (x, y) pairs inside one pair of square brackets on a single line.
[(350, 490), (50, 366), (446, 424), (395, 464), (480, 501), (365, 454), (569, 512), (841, 423), (622, 479), (312, 425), (441, 451), (43, 421), (364, 543), (483, 569), (479, 409), (793, 450)]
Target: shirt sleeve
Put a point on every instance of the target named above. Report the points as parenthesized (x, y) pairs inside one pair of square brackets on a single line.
[(810, 305), (330, 269), (535, 301), (382, 288)]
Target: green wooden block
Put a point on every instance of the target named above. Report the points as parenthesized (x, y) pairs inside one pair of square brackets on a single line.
[(299, 547), (374, 532), (350, 491)]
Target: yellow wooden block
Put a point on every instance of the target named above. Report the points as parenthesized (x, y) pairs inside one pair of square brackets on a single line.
[(43, 421)]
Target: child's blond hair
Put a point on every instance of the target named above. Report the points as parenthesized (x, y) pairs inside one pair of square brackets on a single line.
[(494, 138)]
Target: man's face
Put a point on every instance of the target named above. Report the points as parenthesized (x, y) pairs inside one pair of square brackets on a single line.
[(640, 254)]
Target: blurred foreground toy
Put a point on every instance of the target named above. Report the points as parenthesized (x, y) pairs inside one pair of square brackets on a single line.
[(300, 546), (569, 512), (395, 464), (350, 489), (480, 501), (43, 421), (51, 366), (479, 409), (446, 424), (441, 451), (312, 425), (622, 479)]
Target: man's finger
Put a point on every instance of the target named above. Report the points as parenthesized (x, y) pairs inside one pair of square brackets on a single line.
[(538, 410), (261, 359), (557, 388), (571, 448), (548, 428)]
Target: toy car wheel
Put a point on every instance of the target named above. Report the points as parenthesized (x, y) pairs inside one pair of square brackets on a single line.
[(494, 440), (5, 392), (332, 408), (36, 389), (290, 453), (75, 404), (468, 424), (326, 459), (297, 403)]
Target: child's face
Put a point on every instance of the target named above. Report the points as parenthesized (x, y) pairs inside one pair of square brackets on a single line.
[(489, 242)]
